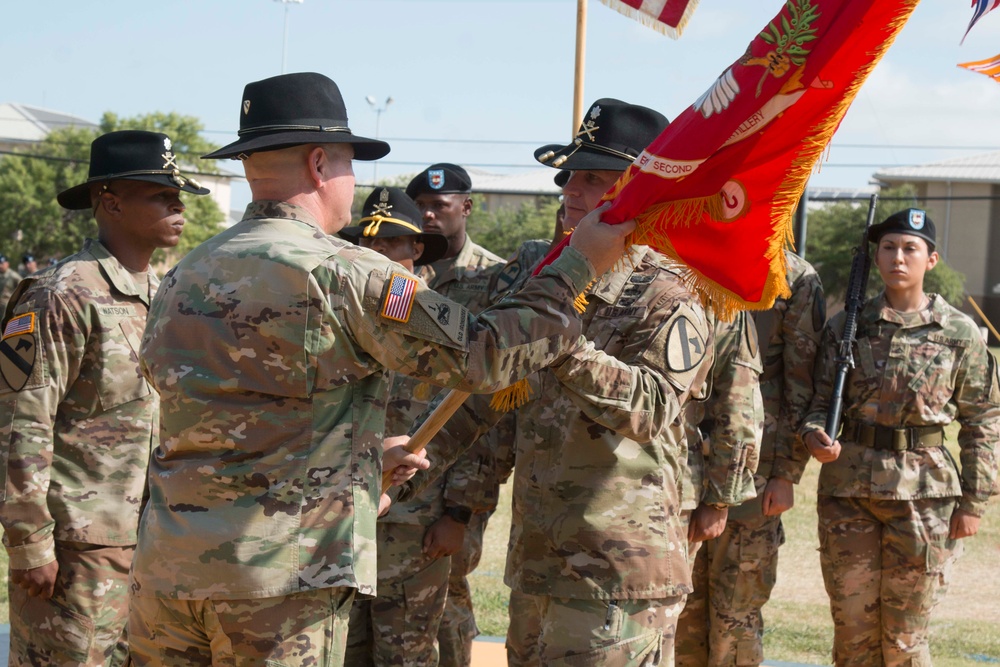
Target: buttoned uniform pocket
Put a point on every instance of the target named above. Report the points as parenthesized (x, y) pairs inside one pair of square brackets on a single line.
[(51, 629), (933, 364), (940, 557), (119, 380), (754, 556)]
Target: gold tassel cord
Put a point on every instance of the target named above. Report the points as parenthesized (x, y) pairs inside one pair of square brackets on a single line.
[(511, 397)]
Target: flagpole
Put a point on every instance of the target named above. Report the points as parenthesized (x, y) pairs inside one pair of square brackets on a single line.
[(581, 46)]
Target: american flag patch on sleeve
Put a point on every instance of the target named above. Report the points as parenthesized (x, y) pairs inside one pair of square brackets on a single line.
[(22, 324), (399, 301)]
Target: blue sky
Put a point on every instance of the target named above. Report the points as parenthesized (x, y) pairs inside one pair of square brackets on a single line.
[(477, 82)]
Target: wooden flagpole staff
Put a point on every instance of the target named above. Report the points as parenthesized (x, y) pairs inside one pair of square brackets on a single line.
[(434, 423)]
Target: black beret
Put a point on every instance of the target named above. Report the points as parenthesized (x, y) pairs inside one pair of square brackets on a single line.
[(442, 178), (3, 258), (28, 258), (912, 221)]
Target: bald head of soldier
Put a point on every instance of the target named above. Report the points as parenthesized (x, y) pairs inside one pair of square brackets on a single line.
[(612, 135), (296, 146), (133, 190)]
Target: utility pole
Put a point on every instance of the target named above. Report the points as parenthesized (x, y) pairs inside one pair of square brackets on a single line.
[(378, 117), (284, 39)]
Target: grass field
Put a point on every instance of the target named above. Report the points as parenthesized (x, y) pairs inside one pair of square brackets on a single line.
[(965, 627)]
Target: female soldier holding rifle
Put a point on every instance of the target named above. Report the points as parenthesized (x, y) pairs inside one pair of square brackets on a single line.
[(893, 504)]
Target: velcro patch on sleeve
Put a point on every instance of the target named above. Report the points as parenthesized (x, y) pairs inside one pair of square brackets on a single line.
[(22, 324), (398, 301), (452, 319)]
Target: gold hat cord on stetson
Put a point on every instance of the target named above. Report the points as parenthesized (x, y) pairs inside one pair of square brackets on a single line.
[(376, 223)]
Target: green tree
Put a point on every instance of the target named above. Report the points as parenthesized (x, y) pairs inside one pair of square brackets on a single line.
[(31, 219), (835, 231), (503, 231)]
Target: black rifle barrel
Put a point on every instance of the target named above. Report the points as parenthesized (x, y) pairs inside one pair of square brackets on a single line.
[(857, 284)]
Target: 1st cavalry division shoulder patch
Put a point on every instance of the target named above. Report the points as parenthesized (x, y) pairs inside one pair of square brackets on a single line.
[(17, 350), (399, 301)]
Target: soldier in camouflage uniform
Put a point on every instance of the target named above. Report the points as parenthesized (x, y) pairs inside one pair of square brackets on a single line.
[(78, 419), (893, 505), (721, 624), (597, 559), (470, 488), (9, 278), (399, 627), (269, 346), (723, 427)]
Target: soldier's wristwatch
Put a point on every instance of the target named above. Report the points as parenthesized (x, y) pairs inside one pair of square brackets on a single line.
[(462, 515), (718, 506)]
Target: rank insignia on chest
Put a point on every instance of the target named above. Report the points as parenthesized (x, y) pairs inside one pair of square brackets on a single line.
[(399, 301), (17, 350)]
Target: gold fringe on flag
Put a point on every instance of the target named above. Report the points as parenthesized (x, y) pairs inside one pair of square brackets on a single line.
[(511, 397)]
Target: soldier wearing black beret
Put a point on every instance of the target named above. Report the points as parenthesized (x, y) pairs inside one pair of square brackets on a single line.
[(894, 506), (443, 191)]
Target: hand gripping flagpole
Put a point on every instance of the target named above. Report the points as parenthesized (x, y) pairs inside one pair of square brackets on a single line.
[(426, 431)]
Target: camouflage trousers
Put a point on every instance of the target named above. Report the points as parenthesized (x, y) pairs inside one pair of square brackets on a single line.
[(400, 626), (83, 623), (733, 575), (886, 564), (295, 630), (611, 633), (458, 628)]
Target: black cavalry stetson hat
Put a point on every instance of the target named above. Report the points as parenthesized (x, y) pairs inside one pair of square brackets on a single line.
[(388, 213), (912, 221), (131, 155), (442, 178), (611, 136), (295, 109)]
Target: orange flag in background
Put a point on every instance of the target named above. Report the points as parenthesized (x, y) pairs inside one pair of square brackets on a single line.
[(717, 189), (669, 17), (990, 67)]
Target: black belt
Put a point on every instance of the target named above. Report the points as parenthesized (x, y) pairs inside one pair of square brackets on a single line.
[(894, 439)]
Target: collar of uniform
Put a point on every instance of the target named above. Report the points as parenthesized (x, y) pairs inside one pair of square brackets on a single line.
[(612, 283), (117, 274), (449, 268), (937, 312), (278, 209)]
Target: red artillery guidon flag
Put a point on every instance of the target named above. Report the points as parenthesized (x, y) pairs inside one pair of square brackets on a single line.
[(990, 67), (980, 9), (717, 189), (666, 16)]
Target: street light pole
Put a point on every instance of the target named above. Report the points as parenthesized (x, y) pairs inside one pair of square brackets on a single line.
[(378, 119), (284, 39)]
